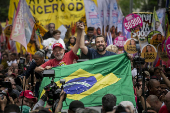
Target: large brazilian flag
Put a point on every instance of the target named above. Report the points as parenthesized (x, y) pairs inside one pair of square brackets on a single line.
[(89, 81)]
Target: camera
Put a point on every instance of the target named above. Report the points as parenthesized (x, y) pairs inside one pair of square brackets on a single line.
[(52, 90), (21, 64)]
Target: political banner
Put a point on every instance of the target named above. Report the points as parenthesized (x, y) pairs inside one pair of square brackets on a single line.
[(156, 25), (149, 53), (132, 22), (52, 11), (130, 46), (162, 53), (106, 10), (101, 16), (151, 34), (23, 24), (161, 15), (120, 21), (114, 11), (92, 15), (157, 39), (142, 34)]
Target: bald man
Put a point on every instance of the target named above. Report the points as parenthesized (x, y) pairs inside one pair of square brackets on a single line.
[(154, 102), (166, 107), (154, 87)]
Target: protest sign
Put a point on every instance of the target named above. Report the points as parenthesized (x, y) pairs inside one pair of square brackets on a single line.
[(149, 53), (130, 46), (162, 53), (119, 41), (151, 34), (142, 34), (157, 39), (132, 23)]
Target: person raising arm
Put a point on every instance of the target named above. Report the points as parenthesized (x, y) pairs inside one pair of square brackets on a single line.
[(59, 53)]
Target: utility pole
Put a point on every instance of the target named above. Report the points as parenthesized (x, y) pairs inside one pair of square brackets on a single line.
[(131, 6)]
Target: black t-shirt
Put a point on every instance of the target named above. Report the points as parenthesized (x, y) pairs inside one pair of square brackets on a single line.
[(92, 54), (47, 35)]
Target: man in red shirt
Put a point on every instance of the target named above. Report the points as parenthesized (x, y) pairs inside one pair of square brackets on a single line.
[(58, 51), (166, 107)]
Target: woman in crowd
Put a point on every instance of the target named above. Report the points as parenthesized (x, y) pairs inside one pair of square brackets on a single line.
[(70, 43)]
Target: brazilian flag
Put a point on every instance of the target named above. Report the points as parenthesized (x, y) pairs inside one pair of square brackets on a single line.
[(89, 81)]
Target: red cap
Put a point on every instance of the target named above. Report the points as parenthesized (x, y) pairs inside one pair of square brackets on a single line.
[(28, 94), (57, 45)]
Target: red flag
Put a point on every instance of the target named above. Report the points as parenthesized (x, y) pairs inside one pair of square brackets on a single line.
[(8, 44), (158, 63)]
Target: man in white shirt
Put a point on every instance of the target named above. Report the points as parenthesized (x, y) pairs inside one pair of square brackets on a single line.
[(12, 59), (50, 41)]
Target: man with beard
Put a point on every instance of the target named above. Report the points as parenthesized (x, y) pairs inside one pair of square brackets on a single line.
[(101, 51), (101, 48), (49, 34), (58, 51)]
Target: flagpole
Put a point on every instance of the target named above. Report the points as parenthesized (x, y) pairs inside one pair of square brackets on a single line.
[(131, 6)]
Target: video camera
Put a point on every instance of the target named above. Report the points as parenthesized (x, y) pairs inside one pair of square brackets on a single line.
[(52, 90)]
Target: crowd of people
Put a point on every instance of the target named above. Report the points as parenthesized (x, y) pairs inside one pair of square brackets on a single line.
[(20, 92)]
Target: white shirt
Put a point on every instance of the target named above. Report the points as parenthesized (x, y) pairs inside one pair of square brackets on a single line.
[(50, 41), (134, 72), (10, 62)]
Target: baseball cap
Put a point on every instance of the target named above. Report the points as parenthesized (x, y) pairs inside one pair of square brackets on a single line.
[(76, 104), (28, 94), (57, 45)]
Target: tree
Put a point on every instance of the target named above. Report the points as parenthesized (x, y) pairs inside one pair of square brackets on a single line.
[(140, 5), (4, 6)]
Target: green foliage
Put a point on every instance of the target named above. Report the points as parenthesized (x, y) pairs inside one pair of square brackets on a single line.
[(4, 6), (140, 5)]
